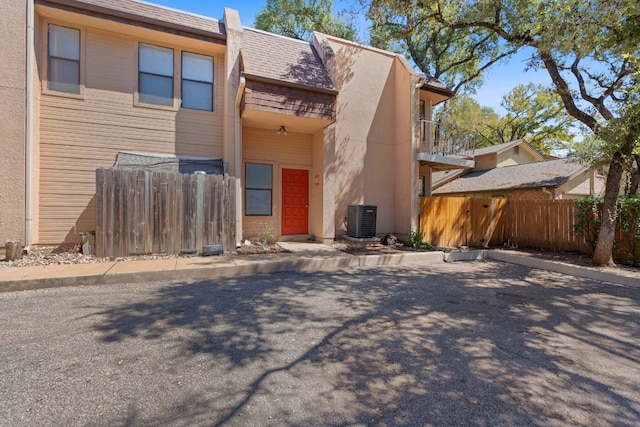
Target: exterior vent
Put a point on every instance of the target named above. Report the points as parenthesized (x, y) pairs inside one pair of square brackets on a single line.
[(361, 221)]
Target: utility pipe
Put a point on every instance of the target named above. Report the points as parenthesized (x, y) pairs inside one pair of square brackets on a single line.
[(544, 190), (29, 128)]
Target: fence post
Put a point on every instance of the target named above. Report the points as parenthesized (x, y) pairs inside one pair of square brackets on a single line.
[(148, 212), (200, 176)]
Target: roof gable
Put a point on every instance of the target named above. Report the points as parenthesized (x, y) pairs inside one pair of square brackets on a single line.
[(501, 148)]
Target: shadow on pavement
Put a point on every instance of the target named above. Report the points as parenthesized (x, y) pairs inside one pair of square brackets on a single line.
[(473, 344)]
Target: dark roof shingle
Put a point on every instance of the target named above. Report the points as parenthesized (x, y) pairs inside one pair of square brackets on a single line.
[(550, 173), (283, 59), (148, 12)]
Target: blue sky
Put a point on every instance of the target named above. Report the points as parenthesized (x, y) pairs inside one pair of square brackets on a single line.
[(500, 80)]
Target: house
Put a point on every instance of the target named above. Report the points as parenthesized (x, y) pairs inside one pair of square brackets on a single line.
[(307, 128), (517, 170)]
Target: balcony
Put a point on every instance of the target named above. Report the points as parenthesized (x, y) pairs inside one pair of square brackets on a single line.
[(441, 152)]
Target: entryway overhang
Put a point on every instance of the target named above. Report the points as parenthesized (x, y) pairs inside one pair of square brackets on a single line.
[(268, 103)]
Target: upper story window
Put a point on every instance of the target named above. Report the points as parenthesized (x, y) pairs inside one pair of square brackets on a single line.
[(197, 81), (155, 74), (63, 59)]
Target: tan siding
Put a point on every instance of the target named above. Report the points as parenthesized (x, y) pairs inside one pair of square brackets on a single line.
[(267, 145), (510, 158), (79, 135), (293, 150)]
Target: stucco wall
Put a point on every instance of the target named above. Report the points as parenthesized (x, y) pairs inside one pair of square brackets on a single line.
[(322, 202), (12, 119), (406, 172), (371, 135)]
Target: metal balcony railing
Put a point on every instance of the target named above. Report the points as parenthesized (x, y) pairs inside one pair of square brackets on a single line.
[(433, 141)]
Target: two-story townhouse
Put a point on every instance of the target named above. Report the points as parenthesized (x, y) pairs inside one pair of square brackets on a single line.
[(307, 128)]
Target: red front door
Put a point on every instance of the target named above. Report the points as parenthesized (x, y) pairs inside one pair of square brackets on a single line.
[(295, 201)]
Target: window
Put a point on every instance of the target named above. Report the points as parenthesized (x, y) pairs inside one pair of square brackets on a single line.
[(516, 150), (258, 180), (155, 77), (197, 81), (63, 66), (421, 187)]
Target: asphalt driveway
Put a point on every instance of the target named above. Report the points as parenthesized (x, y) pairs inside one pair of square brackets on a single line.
[(452, 344)]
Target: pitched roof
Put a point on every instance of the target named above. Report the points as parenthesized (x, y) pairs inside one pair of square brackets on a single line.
[(435, 85), (442, 177), (500, 148), (150, 14), (283, 59), (550, 173)]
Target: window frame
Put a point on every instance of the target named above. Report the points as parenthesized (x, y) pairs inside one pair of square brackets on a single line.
[(46, 49), (183, 79), (139, 95), (247, 189)]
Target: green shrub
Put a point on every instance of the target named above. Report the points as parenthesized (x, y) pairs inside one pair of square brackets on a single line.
[(416, 240), (588, 217)]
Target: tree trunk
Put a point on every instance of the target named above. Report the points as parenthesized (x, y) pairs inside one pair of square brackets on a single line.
[(603, 254), (634, 177)]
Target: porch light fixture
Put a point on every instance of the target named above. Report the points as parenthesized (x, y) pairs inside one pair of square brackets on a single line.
[(282, 130)]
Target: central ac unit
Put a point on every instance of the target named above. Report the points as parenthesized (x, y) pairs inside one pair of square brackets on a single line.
[(361, 221)]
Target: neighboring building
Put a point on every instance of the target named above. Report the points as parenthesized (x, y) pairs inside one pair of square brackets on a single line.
[(517, 170), (308, 128)]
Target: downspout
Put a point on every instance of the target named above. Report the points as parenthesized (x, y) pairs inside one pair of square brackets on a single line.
[(29, 128), (544, 190), (238, 136), (238, 155)]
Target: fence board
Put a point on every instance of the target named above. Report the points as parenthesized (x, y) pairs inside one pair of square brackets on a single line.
[(100, 213), (161, 212), (523, 223)]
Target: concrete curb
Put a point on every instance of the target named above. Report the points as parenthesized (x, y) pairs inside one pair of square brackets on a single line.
[(558, 267), (475, 255), (238, 267), (242, 266)]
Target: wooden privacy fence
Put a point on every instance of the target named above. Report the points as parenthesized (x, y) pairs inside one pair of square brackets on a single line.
[(544, 224), (142, 212), (538, 224), (459, 221)]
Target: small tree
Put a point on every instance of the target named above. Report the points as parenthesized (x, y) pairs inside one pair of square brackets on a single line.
[(591, 51), (300, 18)]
